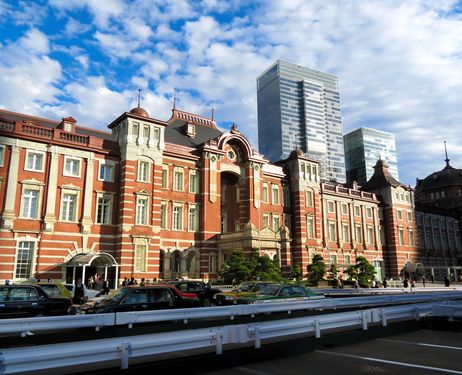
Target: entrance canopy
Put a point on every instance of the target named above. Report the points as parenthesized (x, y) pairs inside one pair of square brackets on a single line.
[(100, 259), (412, 267)]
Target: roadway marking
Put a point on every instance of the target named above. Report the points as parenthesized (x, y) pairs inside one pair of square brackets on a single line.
[(449, 371), (423, 344)]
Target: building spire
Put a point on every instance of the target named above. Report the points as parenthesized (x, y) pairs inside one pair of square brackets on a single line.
[(213, 111), (139, 97), (174, 98)]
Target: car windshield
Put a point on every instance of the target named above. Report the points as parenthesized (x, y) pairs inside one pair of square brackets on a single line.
[(246, 287), (119, 294), (269, 289), (52, 290)]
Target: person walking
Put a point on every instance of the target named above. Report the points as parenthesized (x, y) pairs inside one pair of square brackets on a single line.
[(106, 287), (424, 279), (405, 282), (446, 280), (125, 282), (142, 282), (79, 293), (385, 282)]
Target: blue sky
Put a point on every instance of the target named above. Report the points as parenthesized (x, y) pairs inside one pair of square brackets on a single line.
[(399, 63)]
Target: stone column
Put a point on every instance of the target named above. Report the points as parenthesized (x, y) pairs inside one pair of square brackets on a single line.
[(88, 195)]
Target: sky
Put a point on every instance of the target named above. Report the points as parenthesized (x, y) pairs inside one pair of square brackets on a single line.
[(399, 63)]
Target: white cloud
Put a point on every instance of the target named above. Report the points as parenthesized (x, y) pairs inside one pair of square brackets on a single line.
[(83, 60), (74, 28), (35, 41)]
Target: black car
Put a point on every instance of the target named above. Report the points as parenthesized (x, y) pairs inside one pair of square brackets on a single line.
[(139, 298), (203, 291), (18, 301)]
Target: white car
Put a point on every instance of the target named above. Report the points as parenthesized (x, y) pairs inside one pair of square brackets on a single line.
[(89, 293)]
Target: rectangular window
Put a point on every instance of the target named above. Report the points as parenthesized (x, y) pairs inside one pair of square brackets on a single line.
[(370, 235), (30, 199), (71, 166), (140, 258), (265, 220), (265, 193), (411, 238), (142, 210), (310, 227), (164, 178), (192, 218), (344, 209), (369, 212), (332, 232), (177, 217), (163, 215), (276, 222), (156, 134), (286, 196), (2, 155), (192, 182), (143, 171), (146, 132), (275, 194), (106, 172), (409, 216), (212, 263), (178, 180), (330, 207), (309, 198), (135, 130), (104, 210), (357, 211), (401, 236), (24, 260), (35, 161), (399, 214), (359, 233), (346, 232), (347, 259), (333, 259), (68, 207)]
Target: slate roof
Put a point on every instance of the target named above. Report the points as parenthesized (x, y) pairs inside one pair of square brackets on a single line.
[(447, 177), (381, 178)]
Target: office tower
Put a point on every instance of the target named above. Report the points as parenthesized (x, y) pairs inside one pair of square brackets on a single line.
[(363, 147), (299, 108)]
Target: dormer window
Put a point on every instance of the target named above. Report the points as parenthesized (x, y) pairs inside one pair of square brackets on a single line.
[(191, 130)]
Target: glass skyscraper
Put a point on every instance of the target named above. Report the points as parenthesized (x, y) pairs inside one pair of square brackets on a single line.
[(363, 147), (299, 108)]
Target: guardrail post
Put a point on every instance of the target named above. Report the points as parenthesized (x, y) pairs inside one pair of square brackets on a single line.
[(219, 341), (257, 337), (364, 319), (317, 328), (384, 318), (124, 350)]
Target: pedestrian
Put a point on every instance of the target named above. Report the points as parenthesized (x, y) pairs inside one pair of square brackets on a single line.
[(132, 281), (373, 283), (405, 282), (7, 282), (79, 293), (106, 287), (142, 282), (432, 278), (413, 283), (125, 282), (385, 282), (424, 279), (446, 280), (154, 280)]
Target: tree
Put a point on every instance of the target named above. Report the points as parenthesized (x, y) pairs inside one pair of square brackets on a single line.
[(238, 268), (316, 269), (333, 270), (362, 271), (296, 272), (252, 267)]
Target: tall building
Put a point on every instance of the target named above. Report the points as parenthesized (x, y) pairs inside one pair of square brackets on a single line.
[(299, 108), (363, 147)]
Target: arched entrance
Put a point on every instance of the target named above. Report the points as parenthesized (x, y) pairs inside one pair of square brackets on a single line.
[(84, 266)]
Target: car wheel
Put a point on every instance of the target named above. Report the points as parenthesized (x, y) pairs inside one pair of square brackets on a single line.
[(206, 302)]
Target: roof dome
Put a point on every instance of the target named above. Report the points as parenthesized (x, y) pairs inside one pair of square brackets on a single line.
[(447, 177), (139, 112), (296, 153)]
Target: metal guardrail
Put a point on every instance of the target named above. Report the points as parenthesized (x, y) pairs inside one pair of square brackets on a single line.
[(32, 325), (449, 310), (120, 350)]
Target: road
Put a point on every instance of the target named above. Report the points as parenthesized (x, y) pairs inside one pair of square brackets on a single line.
[(420, 352)]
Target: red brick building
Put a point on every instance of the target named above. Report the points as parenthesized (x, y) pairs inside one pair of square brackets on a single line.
[(165, 199)]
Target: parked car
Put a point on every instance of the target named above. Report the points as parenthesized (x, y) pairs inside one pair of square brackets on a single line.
[(204, 292), (18, 301), (89, 293), (277, 292), (139, 298), (53, 289), (229, 298)]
